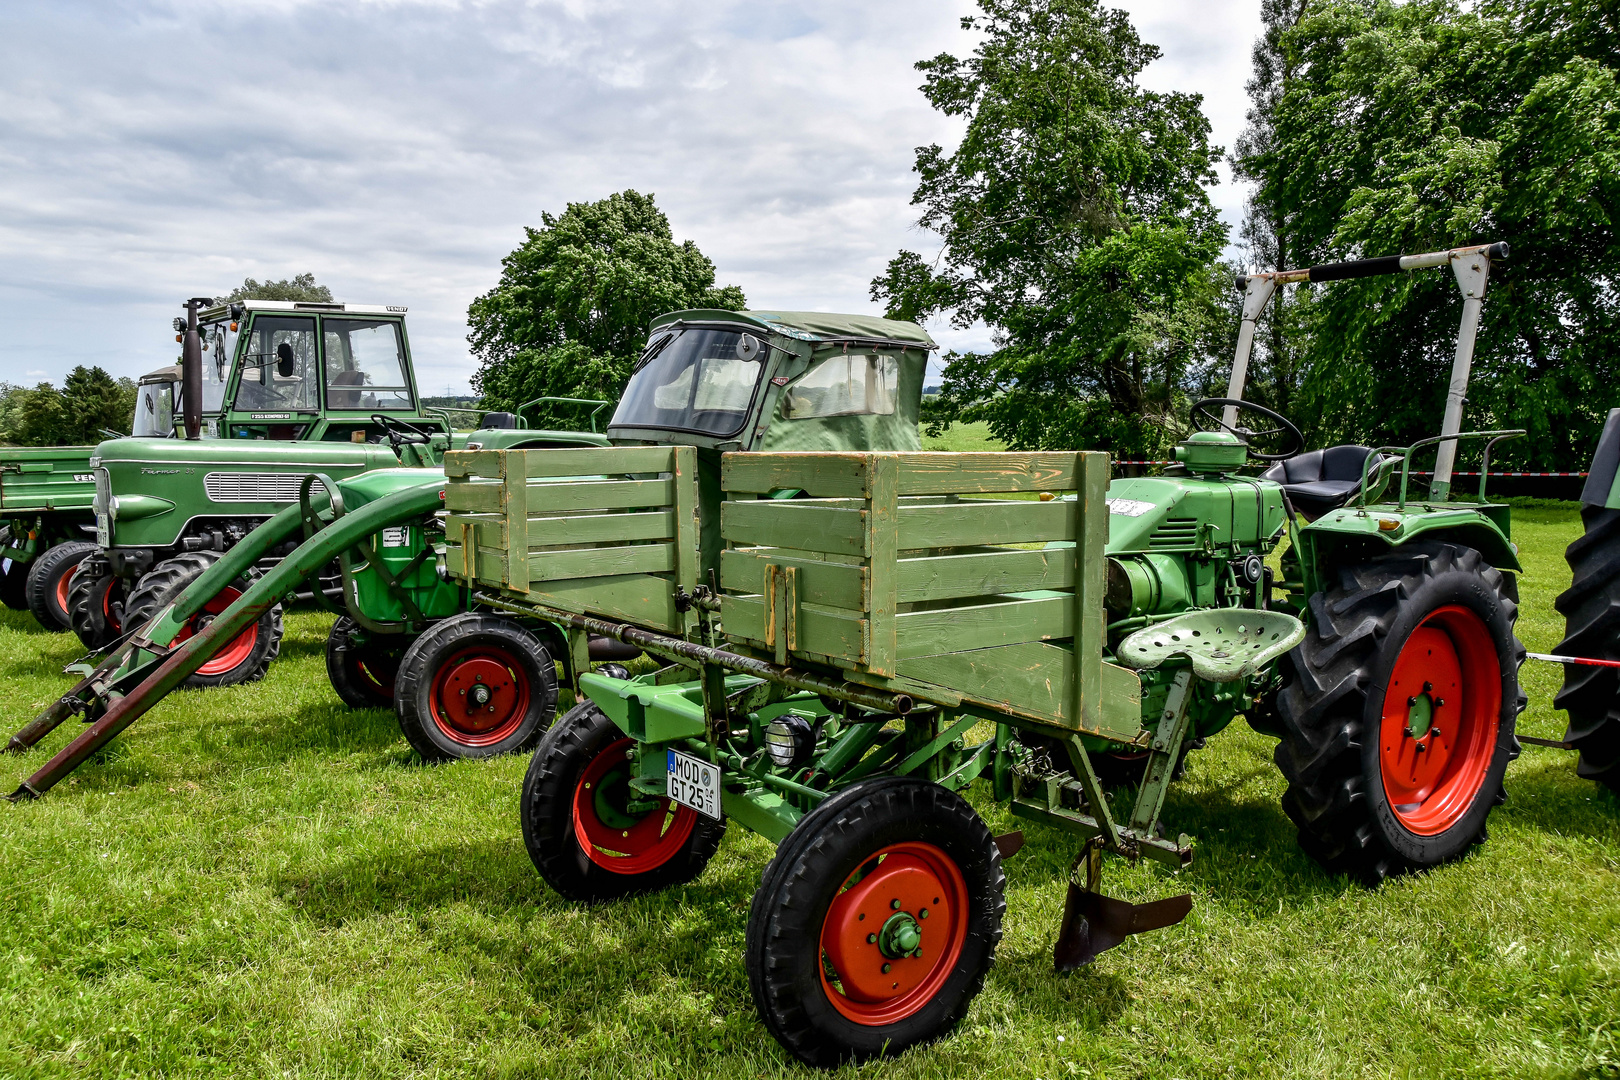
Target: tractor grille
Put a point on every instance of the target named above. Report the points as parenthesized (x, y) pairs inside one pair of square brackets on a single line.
[(1176, 532), (224, 487)]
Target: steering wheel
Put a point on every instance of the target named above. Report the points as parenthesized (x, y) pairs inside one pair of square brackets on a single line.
[(401, 432), (1207, 415)]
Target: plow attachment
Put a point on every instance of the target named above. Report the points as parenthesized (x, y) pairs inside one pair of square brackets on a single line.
[(148, 665), (1094, 923)]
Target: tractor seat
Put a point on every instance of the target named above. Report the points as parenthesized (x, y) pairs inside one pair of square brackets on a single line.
[(1318, 481)]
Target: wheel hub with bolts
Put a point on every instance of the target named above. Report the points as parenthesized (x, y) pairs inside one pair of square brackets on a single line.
[(479, 694)]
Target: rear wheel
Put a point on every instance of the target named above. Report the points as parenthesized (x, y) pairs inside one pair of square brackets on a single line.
[(96, 603), (475, 686), (876, 922), (1591, 610), (48, 578), (245, 658), (363, 665), (1399, 709), (583, 826)]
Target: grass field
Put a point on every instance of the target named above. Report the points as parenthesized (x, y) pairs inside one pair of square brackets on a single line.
[(259, 882)]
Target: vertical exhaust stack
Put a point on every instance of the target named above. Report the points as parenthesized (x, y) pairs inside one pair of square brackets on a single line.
[(191, 368)]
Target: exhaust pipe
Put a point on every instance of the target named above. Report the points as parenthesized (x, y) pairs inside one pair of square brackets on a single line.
[(191, 369)]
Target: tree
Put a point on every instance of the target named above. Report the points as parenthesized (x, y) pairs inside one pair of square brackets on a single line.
[(570, 312), (301, 288), (1431, 124), (89, 403), (1075, 223)]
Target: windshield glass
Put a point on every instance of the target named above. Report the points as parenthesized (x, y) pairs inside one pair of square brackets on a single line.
[(848, 385), (278, 371), (219, 349), (365, 365), (154, 409), (697, 380)]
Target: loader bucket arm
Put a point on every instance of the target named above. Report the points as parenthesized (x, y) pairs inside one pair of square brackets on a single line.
[(165, 670)]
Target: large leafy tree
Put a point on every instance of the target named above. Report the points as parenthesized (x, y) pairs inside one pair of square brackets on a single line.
[(1431, 124), (570, 312), (1075, 223), (301, 287), (89, 404)]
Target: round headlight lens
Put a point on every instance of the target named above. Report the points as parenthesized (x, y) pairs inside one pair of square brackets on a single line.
[(789, 740)]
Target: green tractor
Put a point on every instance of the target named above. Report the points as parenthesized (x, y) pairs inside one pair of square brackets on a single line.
[(266, 392), (464, 684)]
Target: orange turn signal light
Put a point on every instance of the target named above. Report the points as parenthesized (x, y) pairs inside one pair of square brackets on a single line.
[(1388, 524)]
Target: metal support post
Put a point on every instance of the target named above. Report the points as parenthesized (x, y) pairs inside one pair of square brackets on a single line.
[(1472, 271), (1256, 292)]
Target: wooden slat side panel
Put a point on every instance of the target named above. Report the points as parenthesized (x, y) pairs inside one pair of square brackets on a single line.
[(882, 534), (601, 562), (636, 598), (484, 463), (821, 633), (557, 497), (588, 461), (1035, 680), (793, 523), (1090, 572), (947, 577), (515, 497), (473, 496), (840, 585), (927, 633), (822, 475), (987, 521), (961, 474), (579, 529)]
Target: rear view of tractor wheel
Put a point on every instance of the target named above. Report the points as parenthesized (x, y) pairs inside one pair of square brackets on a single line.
[(362, 665), (583, 825), (475, 686), (48, 578), (1398, 711), (876, 922), (96, 603), (245, 658), (1591, 610)]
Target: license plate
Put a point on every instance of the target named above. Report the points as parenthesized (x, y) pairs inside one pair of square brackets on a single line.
[(694, 782), (103, 532)]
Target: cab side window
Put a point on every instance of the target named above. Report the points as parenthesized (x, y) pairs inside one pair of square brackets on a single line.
[(365, 365), (855, 384)]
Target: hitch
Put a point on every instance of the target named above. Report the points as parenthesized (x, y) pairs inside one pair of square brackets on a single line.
[(1094, 923)]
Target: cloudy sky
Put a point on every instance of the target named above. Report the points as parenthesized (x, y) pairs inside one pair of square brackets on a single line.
[(153, 150)]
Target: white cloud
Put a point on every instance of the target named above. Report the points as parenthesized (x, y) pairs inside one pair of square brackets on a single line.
[(152, 151)]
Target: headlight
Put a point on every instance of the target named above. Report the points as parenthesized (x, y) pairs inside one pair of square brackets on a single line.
[(789, 740)]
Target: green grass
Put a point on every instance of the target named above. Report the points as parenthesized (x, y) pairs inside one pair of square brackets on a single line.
[(259, 882)]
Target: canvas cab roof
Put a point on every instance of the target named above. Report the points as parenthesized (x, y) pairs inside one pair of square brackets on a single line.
[(813, 326)]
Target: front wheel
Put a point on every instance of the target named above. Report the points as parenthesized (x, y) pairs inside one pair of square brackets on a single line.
[(245, 657), (876, 922), (1398, 711), (48, 579), (96, 604), (590, 836), (361, 665), (475, 686)]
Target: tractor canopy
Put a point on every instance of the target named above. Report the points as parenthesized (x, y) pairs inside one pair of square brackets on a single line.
[(776, 380)]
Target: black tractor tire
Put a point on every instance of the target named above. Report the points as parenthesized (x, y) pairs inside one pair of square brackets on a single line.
[(578, 781), (13, 578), (456, 661), (246, 658), (1591, 610), (362, 665), (1373, 788), (816, 971), (48, 577), (96, 604)]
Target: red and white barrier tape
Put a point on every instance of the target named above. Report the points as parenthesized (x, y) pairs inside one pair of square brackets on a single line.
[(1415, 472), (1588, 661)]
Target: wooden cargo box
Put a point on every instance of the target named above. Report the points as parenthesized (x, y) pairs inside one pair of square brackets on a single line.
[(944, 573)]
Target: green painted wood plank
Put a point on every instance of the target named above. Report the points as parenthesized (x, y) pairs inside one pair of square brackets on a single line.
[(825, 475), (820, 633), (793, 523), (574, 530), (601, 562), (1090, 564), (948, 473), (474, 497), (945, 577), (1034, 680), (635, 598), (927, 633), (600, 495), (882, 533), (986, 521), (485, 463), (688, 526), (588, 461), (839, 585), (515, 505)]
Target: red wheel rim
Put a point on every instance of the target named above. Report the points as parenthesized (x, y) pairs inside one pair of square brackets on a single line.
[(110, 618), (479, 696), (62, 583), (866, 927), (1441, 714), (241, 646), (615, 839), (378, 672)]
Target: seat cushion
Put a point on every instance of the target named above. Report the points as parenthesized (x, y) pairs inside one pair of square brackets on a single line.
[(1320, 480)]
